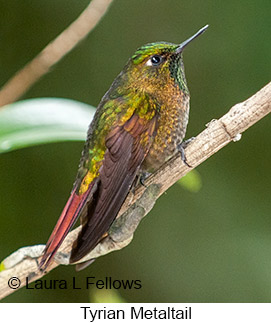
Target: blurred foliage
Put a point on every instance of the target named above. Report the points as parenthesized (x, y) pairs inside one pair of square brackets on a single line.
[(36, 121), (191, 181), (213, 246), (105, 296)]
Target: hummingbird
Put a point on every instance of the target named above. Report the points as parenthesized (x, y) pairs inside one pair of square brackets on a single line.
[(139, 124)]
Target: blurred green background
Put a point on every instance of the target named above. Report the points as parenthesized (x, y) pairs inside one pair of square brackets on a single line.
[(210, 246)]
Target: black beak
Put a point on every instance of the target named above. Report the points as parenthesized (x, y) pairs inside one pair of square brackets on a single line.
[(183, 44)]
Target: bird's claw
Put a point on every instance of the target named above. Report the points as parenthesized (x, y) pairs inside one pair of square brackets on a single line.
[(142, 178), (181, 148)]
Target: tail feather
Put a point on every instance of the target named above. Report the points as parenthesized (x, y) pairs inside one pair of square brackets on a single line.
[(65, 222)]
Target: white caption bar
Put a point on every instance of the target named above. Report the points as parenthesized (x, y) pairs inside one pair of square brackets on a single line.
[(128, 312)]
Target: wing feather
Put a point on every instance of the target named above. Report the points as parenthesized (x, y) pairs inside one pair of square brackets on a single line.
[(124, 154)]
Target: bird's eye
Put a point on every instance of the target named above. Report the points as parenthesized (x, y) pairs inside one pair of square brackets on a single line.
[(155, 60)]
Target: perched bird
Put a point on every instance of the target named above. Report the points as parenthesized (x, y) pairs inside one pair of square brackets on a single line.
[(139, 124)]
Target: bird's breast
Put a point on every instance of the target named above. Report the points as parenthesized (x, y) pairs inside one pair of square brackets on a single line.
[(171, 129)]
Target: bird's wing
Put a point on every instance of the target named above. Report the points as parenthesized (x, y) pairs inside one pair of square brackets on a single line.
[(126, 148)]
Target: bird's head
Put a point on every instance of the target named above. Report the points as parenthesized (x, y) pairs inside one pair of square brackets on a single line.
[(156, 65)]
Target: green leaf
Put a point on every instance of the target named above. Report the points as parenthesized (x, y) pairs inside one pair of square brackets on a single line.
[(2, 266), (44, 120), (105, 296), (191, 181)]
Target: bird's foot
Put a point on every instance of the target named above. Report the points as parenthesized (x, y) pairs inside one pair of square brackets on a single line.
[(140, 179), (181, 148)]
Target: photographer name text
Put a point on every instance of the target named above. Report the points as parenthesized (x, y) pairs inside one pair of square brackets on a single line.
[(87, 283)]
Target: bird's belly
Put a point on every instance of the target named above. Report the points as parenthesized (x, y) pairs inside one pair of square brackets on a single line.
[(158, 155)]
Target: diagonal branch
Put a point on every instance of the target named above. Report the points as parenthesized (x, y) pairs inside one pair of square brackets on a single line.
[(23, 263), (54, 52)]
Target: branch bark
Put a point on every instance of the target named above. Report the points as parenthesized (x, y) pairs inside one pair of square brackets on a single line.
[(53, 52), (23, 263)]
